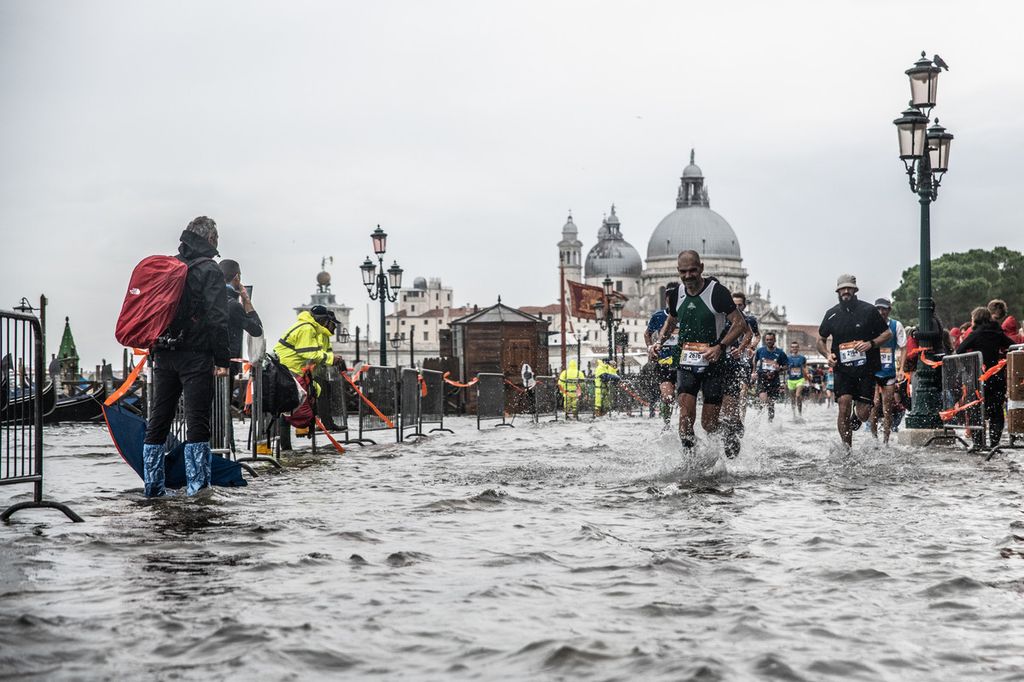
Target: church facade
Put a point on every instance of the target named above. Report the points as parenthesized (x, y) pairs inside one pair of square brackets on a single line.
[(692, 225)]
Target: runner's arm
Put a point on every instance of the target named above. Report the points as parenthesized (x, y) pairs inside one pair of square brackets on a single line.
[(738, 326), (822, 345)]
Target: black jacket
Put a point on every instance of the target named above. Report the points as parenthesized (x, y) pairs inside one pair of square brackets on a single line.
[(202, 317), (240, 321), (854, 321), (989, 339)]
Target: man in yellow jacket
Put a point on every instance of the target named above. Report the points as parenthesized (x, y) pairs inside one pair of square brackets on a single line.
[(604, 376), (570, 384), (306, 345)]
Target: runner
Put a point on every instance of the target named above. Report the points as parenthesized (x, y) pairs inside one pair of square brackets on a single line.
[(830, 386), (857, 330), (769, 361), (700, 309), (734, 403), (891, 356), (666, 358), (796, 378)]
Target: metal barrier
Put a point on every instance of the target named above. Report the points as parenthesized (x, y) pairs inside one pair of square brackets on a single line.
[(379, 385), (409, 404), (961, 385), (490, 398), (22, 407), (545, 398), (628, 397), (1014, 402), (259, 421), (222, 436), (432, 404)]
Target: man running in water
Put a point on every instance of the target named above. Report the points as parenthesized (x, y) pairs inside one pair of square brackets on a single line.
[(890, 355), (667, 357), (796, 378), (734, 403), (769, 362), (857, 330), (700, 309)]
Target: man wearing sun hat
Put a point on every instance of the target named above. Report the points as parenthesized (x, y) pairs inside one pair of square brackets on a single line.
[(857, 330)]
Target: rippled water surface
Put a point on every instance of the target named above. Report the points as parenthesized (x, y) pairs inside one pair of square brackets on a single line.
[(555, 551)]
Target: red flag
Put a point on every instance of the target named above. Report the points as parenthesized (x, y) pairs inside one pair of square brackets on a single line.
[(582, 298)]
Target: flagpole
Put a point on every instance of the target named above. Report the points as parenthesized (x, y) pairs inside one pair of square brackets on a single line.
[(561, 288)]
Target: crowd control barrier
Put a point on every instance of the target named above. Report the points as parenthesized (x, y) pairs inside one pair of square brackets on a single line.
[(545, 398), (222, 436), (259, 421), (628, 397), (22, 407), (490, 399), (962, 396), (378, 403), (409, 404), (1014, 401), (432, 403)]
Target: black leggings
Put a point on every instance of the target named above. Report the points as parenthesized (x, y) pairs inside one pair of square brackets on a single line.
[(176, 372)]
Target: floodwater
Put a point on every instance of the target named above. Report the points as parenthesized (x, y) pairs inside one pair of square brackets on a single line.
[(551, 551)]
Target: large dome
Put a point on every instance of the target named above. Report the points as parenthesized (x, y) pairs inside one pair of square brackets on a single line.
[(697, 228), (612, 256)]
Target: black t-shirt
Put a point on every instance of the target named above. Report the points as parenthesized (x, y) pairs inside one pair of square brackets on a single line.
[(848, 323)]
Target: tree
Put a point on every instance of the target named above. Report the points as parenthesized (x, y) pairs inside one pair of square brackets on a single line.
[(962, 282)]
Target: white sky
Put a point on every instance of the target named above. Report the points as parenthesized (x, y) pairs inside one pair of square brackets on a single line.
[(468, 129)]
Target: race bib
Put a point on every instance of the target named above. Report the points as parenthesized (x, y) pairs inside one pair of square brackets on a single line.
[(851, 357), (769, 366), (692, 355), (886, 354), (671, 341), (795, 373)]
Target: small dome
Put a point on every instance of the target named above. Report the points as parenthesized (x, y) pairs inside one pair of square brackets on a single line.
[(612, 256), (693, 171), (419, 283), (569, 226), (697, 228), (323, 278)]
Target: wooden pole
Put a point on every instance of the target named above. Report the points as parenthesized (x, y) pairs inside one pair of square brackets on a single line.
[(561, 288)]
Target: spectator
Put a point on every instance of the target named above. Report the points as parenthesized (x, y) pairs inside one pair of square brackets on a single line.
[(1008, 323), (306, 345), (242, 317), (187, 356), (988, 338)]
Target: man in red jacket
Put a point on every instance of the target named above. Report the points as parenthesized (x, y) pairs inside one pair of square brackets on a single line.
[(1008, 322)]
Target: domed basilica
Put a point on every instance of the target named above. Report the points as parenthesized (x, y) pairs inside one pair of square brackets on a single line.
[(692, 225)]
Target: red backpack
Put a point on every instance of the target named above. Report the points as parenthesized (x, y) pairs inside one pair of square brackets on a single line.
[(151, 301)]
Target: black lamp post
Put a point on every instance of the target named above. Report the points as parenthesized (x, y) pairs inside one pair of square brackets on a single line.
[(381, 285), (925, 154), (608, 315)]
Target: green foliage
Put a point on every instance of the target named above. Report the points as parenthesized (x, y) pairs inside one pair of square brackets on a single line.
[(963, 281)]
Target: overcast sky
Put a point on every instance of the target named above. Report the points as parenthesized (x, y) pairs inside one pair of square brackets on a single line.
[(468, 129)]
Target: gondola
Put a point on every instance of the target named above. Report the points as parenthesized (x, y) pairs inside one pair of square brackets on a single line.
[(18, 405), (85, 407)]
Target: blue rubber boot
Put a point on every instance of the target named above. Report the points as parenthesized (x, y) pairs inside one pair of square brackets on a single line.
[(196, 458), (153, 469)]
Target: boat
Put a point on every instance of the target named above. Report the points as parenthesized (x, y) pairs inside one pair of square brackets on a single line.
[(18, 405), (84, 407)]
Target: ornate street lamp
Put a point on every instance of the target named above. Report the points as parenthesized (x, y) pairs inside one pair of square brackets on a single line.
[(925, 154), (608, 314), (343, 335), (381, 285), (396, 340)]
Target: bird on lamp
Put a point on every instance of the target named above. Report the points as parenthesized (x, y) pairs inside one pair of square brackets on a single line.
[(938, 62)]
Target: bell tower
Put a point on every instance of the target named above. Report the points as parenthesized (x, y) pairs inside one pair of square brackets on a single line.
[(570, 251)]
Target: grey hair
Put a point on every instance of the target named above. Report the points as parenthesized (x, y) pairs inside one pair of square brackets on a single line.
[(203, 227)]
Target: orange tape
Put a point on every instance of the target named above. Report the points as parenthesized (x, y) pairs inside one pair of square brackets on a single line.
[(336, 444), (423, 385), (946, 415), (992, 371), (518, 388), (642, 401), (457, 384), (367, 400), (129, 380)]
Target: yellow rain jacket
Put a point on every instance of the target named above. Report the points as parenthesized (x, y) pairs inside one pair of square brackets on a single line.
[(602, 387), (306, 342), (570, 383)]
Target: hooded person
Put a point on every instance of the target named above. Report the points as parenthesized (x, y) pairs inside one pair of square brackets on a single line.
[(305, 346), (185, 359), (988, 338), (570, 385), (604, 376)]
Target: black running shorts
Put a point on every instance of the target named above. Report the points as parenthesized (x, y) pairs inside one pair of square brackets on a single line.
[(861, 387), (711, 382), (772, 387), (666, 374)]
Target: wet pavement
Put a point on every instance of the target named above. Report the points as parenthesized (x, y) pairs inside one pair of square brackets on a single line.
[(551, 551)]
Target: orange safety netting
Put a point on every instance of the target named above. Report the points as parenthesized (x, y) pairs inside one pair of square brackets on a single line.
[(367, 400), (335, 443), (129, 380)]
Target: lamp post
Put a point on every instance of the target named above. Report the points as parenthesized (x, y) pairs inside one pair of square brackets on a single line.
[(382, 285), (412, 346), (924, 151), (608, 315)]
